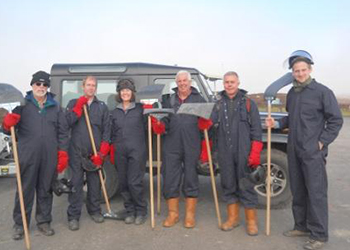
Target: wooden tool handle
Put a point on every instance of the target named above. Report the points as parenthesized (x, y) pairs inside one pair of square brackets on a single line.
[(104, 190), (150, 163), (268, 180), (158, 173), (212, 177), (19, 186)]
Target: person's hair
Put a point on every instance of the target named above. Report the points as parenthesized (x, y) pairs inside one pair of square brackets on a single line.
[(301, 59), (89, 78), (120, 100), (181, 72), (231, 73)]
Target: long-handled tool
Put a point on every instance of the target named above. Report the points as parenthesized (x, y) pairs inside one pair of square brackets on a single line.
[(150, 163), (204, 110), (158, 113), (10, 97), (158, 173), (270, 94), (110, 214), (268, 178), (19, 186), (212, 177)]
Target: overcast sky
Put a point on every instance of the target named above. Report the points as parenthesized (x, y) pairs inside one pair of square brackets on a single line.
[(251, 37)]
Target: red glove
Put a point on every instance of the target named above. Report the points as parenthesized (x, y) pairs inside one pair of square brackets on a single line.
[(97, 160), (62, 161), (147, 106), (104, 148), (111, 154), (204, 123), (254, 156), (204, 152), (11, 119), (158, 127), (78, 107)]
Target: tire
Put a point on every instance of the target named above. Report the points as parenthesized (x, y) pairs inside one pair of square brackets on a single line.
[(111, 179), (281, 195)]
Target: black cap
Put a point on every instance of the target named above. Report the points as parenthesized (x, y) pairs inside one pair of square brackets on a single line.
[(126, 84), (41, 76)]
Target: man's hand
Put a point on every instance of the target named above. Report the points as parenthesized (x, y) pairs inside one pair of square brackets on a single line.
[(62, 161), (204, 124), (269, 122), (104, 148), (10, 120), (158, 127), (78, 107), (254, 156), (97, 161), (320, 144)]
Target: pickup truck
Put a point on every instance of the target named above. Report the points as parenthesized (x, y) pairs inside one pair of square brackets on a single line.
[(66, 81)]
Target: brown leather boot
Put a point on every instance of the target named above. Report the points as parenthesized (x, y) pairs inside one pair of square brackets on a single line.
[(232, 217), (190, 220), (173, 212), (251, 221)]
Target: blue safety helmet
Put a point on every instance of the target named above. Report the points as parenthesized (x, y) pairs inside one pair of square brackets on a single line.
[(300, 55)]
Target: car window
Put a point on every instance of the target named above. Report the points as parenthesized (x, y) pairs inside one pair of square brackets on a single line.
[(71, 89)]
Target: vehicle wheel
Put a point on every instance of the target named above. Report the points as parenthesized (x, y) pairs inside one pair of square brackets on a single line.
[(280, 192), (111, 178)]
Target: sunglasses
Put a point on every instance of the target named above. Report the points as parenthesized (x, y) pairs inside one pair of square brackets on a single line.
[(41, 84)]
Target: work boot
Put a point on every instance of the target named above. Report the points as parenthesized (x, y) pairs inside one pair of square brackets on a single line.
[(232, 217), (251, 221), (313, 244), (46, 229), (130, 219), (18, 232), (190, 220), (173, 212), (296, 233), (140, 219), (73, 225), (97, 218)]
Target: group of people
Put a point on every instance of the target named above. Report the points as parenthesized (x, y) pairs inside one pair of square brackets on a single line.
[(50, 139)]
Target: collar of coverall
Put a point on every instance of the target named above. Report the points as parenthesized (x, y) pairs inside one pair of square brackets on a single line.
[(309, 83), (95, 99), (193, 90), (240, 91), (131, 106), (50, 101)]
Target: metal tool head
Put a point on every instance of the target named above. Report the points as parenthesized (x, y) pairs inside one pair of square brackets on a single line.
[(203, 110), (9, 94), (3, 113), (150, 94), (111, 215), (158, 113), (10, 98), (271, 91)]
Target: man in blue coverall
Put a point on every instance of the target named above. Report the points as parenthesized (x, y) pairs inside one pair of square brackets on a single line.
[(314, 121)]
